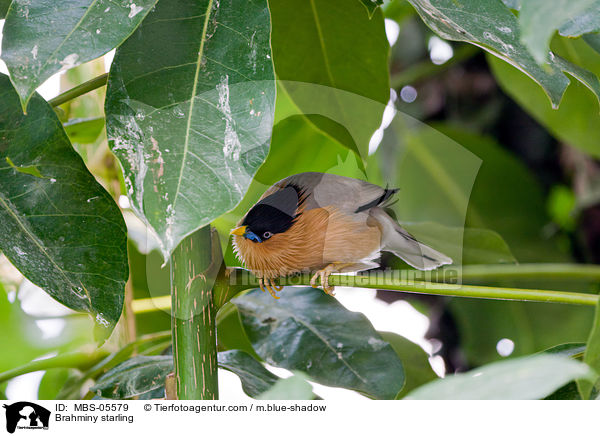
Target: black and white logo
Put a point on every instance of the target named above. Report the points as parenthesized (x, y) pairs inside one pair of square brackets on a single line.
[(26, 415)]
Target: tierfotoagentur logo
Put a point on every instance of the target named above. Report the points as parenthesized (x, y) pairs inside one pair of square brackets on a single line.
[(26, 415)]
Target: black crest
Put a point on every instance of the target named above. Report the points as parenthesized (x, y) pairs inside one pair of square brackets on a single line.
[(275, 213)]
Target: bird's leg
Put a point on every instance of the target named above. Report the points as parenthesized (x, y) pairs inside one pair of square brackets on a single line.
[(324, 275), (270, 285), (276, 287)]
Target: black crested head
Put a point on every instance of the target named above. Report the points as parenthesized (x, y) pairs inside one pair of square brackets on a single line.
[(273, 214)]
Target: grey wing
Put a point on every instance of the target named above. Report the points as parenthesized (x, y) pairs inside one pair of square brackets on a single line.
[(345, 193)]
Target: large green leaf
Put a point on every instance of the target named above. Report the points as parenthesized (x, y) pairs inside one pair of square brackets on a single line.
[(414, 359), (309, 331), (256, 379), (585, 22), (494, 28), (42, 37), (516, 210), (58, 226), (333, 43), (526, 378), (591, 356), (84, 131), (142, 374), (576, 120), (539, 19), (135, 376), (189, 111), (292, 388), (4, 4)]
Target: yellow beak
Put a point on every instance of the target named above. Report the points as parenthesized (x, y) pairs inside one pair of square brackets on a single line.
[(239, 231)]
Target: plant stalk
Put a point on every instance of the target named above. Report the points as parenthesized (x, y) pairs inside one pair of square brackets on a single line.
[(194, 317), (79, 90)]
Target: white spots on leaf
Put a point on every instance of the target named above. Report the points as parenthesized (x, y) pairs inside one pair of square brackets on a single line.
[(107, 9), (170, 220), (69, 61), (376, 344), (134, 10), (101, 320), (177, 112), (505, 48), (505, 29), (89, 200), (232, 146), (34, 51), (19, 251), (252, 54), (52, 180), (97, 31)]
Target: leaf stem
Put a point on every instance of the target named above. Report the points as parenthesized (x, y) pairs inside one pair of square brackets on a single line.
[(79, 90)]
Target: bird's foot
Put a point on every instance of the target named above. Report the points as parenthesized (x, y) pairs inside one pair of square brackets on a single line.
[(324, 275), (271, 287)]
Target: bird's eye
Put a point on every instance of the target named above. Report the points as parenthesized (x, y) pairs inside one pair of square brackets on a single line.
[(267, 235)]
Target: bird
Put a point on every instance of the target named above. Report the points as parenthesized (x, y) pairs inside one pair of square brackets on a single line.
[(324, 223)]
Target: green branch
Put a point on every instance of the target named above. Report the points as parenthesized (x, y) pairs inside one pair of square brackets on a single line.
[(239, 280), (79, 90), (93, 363), (194, 327)]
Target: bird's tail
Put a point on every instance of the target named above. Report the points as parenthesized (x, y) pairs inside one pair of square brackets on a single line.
[(401, 243)]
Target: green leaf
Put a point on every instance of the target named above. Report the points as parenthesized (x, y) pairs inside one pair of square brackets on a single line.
[(539, 19), (142, 374), (333, 59), (589, 388), (371, 5), (481, 324), (62, 230), (414, 359), (42, 37), (575, 120), (571, 349), (20, 334), (585, 22), (189, 111), (135, 376), (52, 382), (4, 4), (309, 331), (84, 130), (230, 331), (593, 39), (525, 378), (517, 210), (31, 170), (256, 379), (495, 29), (292, 388)]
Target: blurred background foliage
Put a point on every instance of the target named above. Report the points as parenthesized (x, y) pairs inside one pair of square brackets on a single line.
[(529, 180)]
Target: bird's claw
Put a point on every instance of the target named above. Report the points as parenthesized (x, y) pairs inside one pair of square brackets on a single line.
[(324, 275), (271, 287)]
